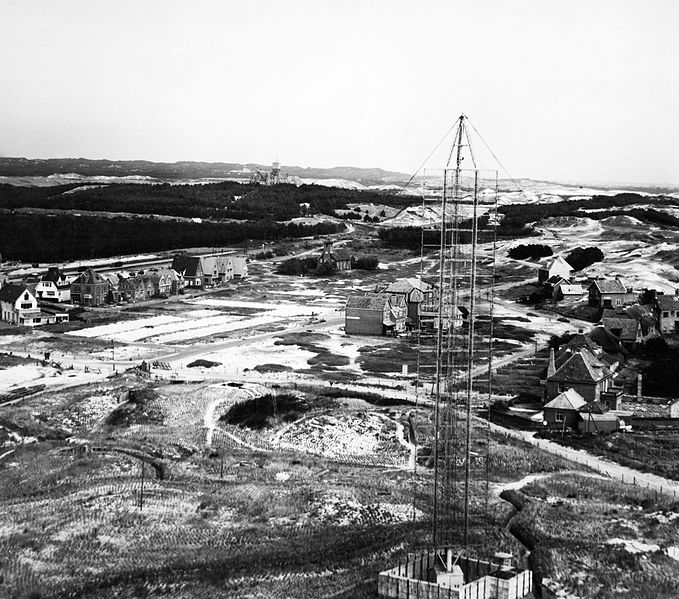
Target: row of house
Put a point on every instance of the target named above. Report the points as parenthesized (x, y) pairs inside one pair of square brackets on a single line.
[(557, 279), (91, 288), (614, 297), (399, 306), (208, 271)]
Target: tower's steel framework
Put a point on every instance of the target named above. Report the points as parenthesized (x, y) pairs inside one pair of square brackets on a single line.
[(455, 331)]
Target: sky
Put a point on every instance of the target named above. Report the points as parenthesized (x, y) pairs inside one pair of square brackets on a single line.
[(584, 90)]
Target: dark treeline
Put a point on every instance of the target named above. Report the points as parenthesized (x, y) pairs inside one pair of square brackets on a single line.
[(225, 200), (412, 237), (43, 238)]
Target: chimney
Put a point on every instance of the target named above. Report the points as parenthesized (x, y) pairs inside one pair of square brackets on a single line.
[(551, 369), (639, 389)]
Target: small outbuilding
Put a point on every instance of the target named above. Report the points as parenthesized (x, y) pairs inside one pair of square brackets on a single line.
[(564, 410)]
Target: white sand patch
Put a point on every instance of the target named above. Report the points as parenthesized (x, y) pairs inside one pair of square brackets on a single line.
[(335, 436), (302, 292), (202, 313), (236, 359), (89, 412), (111, 330), (632, 546)]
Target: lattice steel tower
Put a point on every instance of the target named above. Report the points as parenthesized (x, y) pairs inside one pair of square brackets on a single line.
[(459, 209)]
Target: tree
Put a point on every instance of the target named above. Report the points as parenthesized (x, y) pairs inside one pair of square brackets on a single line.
[(581, 258)]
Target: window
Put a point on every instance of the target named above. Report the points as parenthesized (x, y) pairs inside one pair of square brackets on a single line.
[(26, 306), (25, 297), (665, 314), (558, 417), (561, 387)]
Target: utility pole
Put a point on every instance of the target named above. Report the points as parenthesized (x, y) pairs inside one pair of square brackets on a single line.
[(141, 494)]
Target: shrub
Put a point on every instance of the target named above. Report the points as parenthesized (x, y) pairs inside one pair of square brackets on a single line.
[(581, 258), (365, 263), (532, 250)]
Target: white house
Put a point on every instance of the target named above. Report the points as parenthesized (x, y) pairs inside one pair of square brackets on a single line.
[(556, 266), (54, 286), (19, 306)]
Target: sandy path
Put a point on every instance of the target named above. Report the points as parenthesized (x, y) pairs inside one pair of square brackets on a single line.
[(604, 466)]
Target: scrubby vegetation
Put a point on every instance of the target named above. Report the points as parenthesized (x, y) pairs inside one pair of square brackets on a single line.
[(531, 250), (271, 410)]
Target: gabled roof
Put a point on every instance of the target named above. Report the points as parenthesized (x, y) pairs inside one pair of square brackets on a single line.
[(415, 289), (567, 289), (607, 340), (340, 254), (371, 301), (579, 341), (188, 265), (570, 399), (582, 367), (113, 278), (90, 277), (594, 407), (54, 274), (628, 327), (12, 292), (559, 262), (555, 280), (609, 286), (668, 302)]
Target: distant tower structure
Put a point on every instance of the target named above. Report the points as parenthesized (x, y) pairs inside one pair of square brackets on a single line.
[(272, 177), (275, 173)]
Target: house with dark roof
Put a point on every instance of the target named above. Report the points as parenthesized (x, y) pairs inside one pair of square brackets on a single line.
[(375, 314), (667, 312), (415, 292), (162, 282), (609, 293), (90, 289), (557, 266), (191, 269), (54, 286), (628, 330), (563, 410), (584, 372), (19, 306), (338, 259), (136, 289)]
